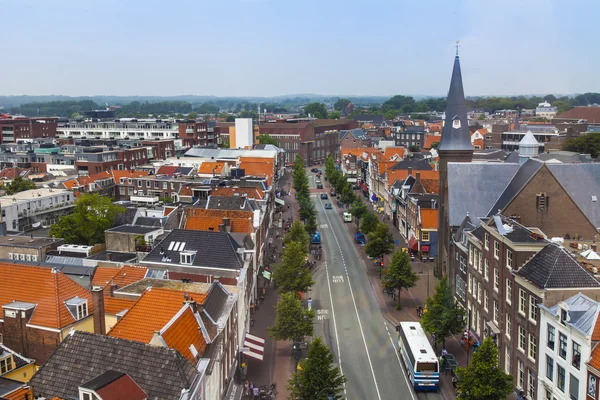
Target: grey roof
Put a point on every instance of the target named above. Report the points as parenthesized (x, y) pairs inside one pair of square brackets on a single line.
[(514, 231), (565, 157), (466, 225), (149, 221), (516, 184), (358, 133), (581, 182), (229, 203), (102, 380), (115, 256), (215, 301), (135, 229), (419, 164), (228, 153), (456, 110), (583, 312), (8, 386), (473, 188), (513, 157), (213, 249), (554, 267), (375, 118), (18, 359), (64, 260), (415, 129), (161, 372)]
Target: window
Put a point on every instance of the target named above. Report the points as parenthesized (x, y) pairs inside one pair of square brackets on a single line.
[(532, 346), (549, 368), (82, 310), (470, 255), (485, 300), (507, 359), (186, 258), (576, 355), (5, 365), (574, 388), (486, 242), (496, 250), (479, 258), (496, 280), (122, 190), (560, 379), (532, 308), (564, 317), (508, 291), (425, 236), (522, 344), (508, 259), (147, 184), (470, 285), (562, 351), (496, 311), (486, 269), (542, 202), (479, 296), (522, 302), (463, 264), (460, 287), (531, 384), (508, 326), (592, 385), (86, 396), (551, 337), (521, 382)]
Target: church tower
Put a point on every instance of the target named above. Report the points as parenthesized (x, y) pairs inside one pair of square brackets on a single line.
[(455, 146)]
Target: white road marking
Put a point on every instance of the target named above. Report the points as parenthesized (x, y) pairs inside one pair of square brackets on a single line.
[(397, 352), (355, 308)]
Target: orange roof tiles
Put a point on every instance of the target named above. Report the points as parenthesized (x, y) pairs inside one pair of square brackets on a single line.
[(250, 192), (118, 174), (384, 166), (184, 331), (478, 144), (360, 150), (22, 393), (70, 184), (262, 168), (185, 190), (167, 170), (211, 167), (201, 219), (596, 333), (41, 286), (393, 151), (151, 313), (595, 357), (114, 305), (119, 276), (429, 218), (401, 174), (168, 210), (430, 140)]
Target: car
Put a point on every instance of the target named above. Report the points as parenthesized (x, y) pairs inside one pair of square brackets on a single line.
[(314, 170), (347, 217), (319, 186), (332, 193), (328, 206), (324, 196), (359, 238)]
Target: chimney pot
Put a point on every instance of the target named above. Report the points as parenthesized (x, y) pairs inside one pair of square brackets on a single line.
[(98, 310), (418, 175), (409, 170)]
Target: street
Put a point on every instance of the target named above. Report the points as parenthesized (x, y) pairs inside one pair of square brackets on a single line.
[(349, 318)]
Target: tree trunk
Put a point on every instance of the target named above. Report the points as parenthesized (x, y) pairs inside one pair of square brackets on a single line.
[(399, 302)]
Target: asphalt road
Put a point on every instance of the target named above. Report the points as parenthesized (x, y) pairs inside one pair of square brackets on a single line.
[(349, 319)]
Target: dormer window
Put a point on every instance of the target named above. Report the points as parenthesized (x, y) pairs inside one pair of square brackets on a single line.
[(78, 307), (456, 122), (564, 316), (187, 257), (6, 364)]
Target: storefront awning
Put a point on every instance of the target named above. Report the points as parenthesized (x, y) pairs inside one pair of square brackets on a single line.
[(255, 346), (364, 187), (425, 248), (279, 201), (413, 244), (493, 327), (351, 180)]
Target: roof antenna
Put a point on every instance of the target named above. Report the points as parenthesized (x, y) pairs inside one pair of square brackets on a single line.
[(457, 46)]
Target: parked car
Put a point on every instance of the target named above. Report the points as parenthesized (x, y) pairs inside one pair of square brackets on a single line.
[(359, 238), (314, 170), (319, 185), (347, 217), (328, 206), (332, 192), (324, 196)]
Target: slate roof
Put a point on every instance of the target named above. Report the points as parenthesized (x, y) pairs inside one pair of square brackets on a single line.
[(374, 118), (8, 387), (456, 109), (516, 184), (422, 165), (149, 221), (213, 249), (215, 301), (583, 312), (581, 182), (513, 157), (161, 372), (473, 188), (229, 203), (357, 133), (415, 129), (18, 359), (513, 231), (554, 267)]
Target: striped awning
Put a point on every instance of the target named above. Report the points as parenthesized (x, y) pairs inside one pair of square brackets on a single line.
[(255, 345)]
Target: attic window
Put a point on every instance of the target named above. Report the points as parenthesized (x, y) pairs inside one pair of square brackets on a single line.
[(78, 307), (187, 257), (456, 123), (542, 202), (564, 316)]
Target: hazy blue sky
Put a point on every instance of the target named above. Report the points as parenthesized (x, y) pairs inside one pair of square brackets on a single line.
[(274, 47)]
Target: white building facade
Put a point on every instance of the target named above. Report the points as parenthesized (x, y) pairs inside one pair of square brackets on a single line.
[(566, 345), (30, 209), (143, 130)]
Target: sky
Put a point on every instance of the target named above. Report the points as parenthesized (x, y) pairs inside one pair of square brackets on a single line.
[(282, 47)]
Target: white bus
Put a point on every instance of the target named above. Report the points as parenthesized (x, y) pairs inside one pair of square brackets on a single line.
[(419, 358)]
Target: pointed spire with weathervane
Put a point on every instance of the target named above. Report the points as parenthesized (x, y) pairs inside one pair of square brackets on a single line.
[(455, 134)]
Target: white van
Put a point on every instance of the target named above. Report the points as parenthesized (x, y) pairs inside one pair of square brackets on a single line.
[(347, 217)]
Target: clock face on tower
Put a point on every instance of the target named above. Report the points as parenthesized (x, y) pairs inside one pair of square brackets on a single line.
[(456, 122)]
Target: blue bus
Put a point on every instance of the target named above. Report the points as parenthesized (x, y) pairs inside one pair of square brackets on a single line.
[(418, 356)]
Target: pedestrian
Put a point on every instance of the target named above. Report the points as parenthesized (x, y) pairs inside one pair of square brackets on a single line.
[(444, 352), (255, 392)]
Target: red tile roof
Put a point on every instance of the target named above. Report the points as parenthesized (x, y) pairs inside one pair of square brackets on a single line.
[(118, 174), (122, 388), (119, 276), (430, 140), (250, 192), (394, 151), (401, 174), (167, 170), (151, 313), (184, 331), (211, 167), (41, 286), (262, 168), (590, 114), (595, 357), (113, 305), (201, 219), (22, 393), (429, 218)]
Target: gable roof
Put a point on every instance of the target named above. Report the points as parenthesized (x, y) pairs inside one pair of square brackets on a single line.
[(415, 164), (554, 267), (402, 174), (184, 331), (394, 151), (583, 312), (213, 249), (590, 114), (118, 174), (161, 372), (215, 301), (123, 276), (229, 203), (167, 170), (429, 218), (581, 182), (153, 310), (430, 140), (250, 192), (356, 133), (115, 385), (115, 305), (47, 288), (475, 195), (201, 219)]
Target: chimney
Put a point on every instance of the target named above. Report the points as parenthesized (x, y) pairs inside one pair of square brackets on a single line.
[(409, 170), (108, 256), (418, 176), (227, 223), (112, 289), (98, 310), (222, 228)]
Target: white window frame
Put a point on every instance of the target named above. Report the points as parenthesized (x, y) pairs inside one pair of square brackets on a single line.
[(496, 250), (520, 374), (508, 291), (486, 241), (486, 270), (509, 255), (486, 300), (425, 236), (6, 365), (533, 309), (508, 326), (82, 310), (522, 339), (532, 348), (496, 312), (496, 280), (506, 359)]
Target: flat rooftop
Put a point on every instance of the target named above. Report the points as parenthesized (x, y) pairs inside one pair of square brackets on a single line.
[(28, 241), (140, 287), (135, 229), (29, 195), (114, 256)]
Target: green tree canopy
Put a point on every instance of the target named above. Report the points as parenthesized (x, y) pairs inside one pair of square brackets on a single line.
[(380, 242), (399, 102), (483, 379), (399, 274), (341, 104), (92, 215), (444, 316), (588, 143), (19, 185), (358, 209), (267, 139), (297, 234), (335, 115), (347, 194), (318, 110), (292, 321), (292, 274), (369, 223), (317, 377), (192, 115)]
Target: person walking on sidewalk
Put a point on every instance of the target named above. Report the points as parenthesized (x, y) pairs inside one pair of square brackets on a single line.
[(255, 392)]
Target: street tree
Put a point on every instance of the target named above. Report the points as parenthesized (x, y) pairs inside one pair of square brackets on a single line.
[(341, 104), (335, 115), (400, 274), (380, 242), (19, 184), (317, 377), (347, 194), (445, 316), (292, 273), (483, 379), (92, 215), (369, 223), (584, 144), (267, 139), (192, 115), (292, 321), (358, 209), (391, 114), (297, 234), (317, 110)]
